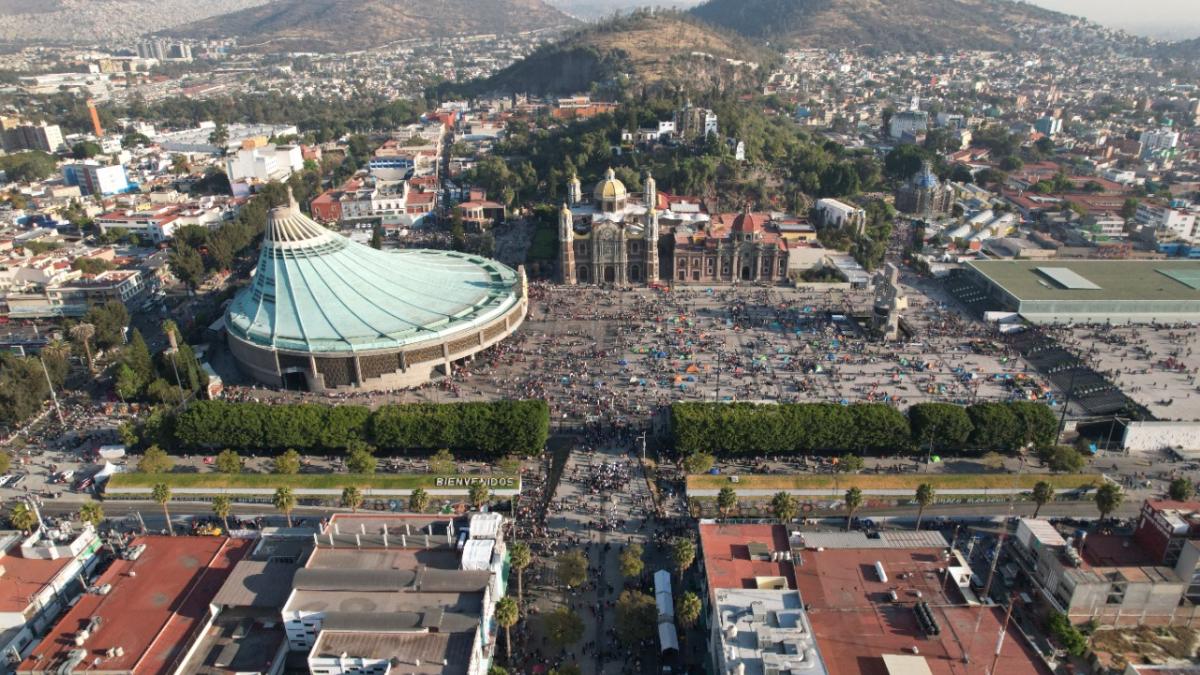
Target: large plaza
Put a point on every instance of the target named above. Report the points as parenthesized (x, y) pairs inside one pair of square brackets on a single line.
[(616, 355)]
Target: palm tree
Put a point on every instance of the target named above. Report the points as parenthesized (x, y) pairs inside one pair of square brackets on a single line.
[(478, 495), (83, 333), (351, 498), (683, 554), (22, 517), (783, 505), (418, 501), (519, 557), (507, 614), (161, 493), (687, 609), (925, 496), (285, 501), (1043, 493), (854, 499), (222, 506), (726, 501), (91, 512)]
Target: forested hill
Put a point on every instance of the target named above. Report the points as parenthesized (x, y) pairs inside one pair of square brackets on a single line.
[(885, 25), (350, 25), (642, 49)]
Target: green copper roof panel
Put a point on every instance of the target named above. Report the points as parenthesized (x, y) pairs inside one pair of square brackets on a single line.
[(317, 291)]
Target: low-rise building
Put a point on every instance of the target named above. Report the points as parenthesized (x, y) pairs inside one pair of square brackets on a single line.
[(263, 164), (148, 611), (150, 226), (1107, 578), (41, 579), (1178, 222), (74, 297), (755, 632), (379, 591), (834, 213)]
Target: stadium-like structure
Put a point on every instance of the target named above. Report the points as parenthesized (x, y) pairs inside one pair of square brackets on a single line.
[(326, 313)]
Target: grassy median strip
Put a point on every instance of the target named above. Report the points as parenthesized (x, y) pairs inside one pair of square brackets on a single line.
[(964, 481), (315, 481)]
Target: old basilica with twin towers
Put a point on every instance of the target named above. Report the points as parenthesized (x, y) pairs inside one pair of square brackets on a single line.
[(619, 238)]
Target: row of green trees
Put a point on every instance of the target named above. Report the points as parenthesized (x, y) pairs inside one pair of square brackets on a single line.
[(495, 429), (747, 428)]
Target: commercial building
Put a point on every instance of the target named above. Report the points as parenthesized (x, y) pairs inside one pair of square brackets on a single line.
[(841, 603), (902, 603), (1119, 291), (756, 617), (327, 313), (148, 611), (1112, 579), (94, 178), (246, 635), (41, 579), (762, 631), (411, 594)]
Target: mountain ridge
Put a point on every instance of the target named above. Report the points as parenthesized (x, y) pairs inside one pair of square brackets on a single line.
[(643, 49), (354, 25), (882, 25)]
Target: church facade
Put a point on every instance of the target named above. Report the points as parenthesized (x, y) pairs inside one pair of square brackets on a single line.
[(731, 249), (614, 237)]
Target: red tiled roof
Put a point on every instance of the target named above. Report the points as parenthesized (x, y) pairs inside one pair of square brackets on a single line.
[(156, 604), (727, 561), (749, 222)]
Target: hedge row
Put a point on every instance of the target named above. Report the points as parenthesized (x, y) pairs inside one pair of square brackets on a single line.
[(498, 428), (748, 428)]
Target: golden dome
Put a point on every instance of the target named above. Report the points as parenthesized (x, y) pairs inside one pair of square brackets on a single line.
[(610, 188)]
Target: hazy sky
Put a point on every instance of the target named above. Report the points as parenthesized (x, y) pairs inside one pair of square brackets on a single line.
[(1157, 18)]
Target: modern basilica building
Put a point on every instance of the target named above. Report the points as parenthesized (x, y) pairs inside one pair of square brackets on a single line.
[(326, 313)]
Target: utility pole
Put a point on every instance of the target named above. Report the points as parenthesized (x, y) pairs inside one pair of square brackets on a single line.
[(1012, 602), (53, 396), (1062, 420)]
